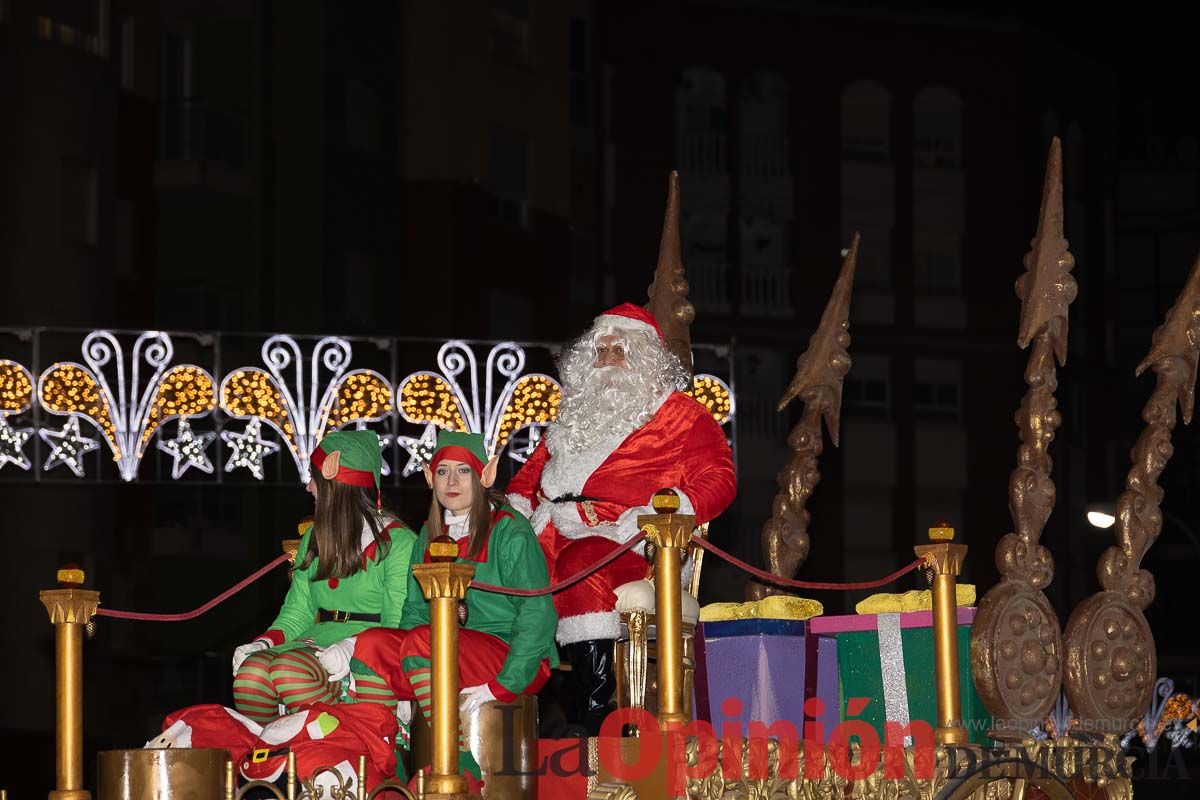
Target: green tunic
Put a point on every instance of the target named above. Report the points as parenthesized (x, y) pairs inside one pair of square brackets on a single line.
[(379, 588), (512, 558)]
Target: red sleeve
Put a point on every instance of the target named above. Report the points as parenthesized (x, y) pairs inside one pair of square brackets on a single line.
[(708, 479), (524, 485)]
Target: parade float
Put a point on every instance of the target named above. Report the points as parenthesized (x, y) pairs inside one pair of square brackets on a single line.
[(919, 695)]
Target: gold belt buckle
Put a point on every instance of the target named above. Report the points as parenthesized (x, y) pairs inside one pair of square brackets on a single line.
[(260, 755), (589, 511), (341, 616)]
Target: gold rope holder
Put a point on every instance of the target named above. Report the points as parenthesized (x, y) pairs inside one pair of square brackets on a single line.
[(444, 584), (946, 560), (670, 533), (70, 608)]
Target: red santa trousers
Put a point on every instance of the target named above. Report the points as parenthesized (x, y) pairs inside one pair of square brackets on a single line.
[(585, 609)]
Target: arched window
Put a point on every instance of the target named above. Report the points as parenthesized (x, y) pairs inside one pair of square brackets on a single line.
[(701, 122), (763, 126), (866, 121), (937, 128)]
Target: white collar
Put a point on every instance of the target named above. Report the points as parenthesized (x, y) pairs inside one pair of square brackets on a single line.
[(367, 537), (457, 526)]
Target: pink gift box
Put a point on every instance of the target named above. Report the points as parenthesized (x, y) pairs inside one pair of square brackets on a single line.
[(851, 623)]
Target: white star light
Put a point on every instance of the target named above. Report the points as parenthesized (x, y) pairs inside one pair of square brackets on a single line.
[(70, 447), (11, 442), (420, 449), (187, 448), (248, 448)]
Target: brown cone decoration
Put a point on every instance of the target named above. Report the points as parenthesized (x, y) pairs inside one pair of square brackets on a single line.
[(1016, 641), (1111, 661), (818, 383), (668, 293)]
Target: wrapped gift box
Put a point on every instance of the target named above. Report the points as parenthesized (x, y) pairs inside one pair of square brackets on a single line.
[(898, 647), (760, 662)]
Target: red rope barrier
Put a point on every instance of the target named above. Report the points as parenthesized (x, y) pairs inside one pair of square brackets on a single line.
[(563, 584), (767, 577), (228, 593)]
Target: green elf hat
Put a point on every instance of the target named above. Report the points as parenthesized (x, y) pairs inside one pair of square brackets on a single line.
[(352, 458), (458, 446)]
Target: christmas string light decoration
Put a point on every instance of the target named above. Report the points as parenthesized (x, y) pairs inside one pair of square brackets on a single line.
[(714, 394), (248, 448), (67, 446), (127, 418), (187, 450), (16, 397), (451, 399), (294, 409)]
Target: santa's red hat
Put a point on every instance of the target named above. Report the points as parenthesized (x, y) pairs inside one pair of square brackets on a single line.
[(629, 316)]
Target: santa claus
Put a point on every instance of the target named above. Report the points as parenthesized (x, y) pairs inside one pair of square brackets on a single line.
[(624, 430)]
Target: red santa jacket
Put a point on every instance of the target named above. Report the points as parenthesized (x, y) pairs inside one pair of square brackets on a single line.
[(681, 447)]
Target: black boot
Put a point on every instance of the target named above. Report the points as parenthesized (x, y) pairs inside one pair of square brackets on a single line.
[(595, 682)]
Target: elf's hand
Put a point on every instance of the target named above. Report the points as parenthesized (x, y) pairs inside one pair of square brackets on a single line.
[(336, 658), (241, 653), (404, 712), (472, 699)]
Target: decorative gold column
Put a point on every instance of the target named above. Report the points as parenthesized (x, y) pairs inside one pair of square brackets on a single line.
[(70, 608), (946, 560), (670, 533), (444, 585)]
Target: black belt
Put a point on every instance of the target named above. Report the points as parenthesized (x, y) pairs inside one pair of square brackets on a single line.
[(574, 498), (324, 615)]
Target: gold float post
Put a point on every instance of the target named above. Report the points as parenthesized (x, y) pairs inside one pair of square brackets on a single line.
[(946, 560), (70, 608), (444, 585), (670, 533)]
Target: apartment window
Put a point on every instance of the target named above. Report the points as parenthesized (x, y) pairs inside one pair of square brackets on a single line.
[(78, 201), (176, 67), (937, 128), (869, 395), (937, 389), (701, 121), (509, 176), (867, 389), (128, 51), (579, 100), (510, 31), (362, 117), (866, 122), (938, 260)]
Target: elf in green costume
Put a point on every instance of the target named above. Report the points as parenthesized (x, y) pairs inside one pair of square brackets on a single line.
[(352, 573), (506, 646)]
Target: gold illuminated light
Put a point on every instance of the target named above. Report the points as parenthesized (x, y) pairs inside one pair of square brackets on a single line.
[(16, 388), (185, 391), (712, 393), (361, 396), (534, 401), (70, 389), (249, 393), (427, 398)]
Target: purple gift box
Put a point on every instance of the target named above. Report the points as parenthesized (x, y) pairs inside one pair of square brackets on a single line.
[(761, 663)]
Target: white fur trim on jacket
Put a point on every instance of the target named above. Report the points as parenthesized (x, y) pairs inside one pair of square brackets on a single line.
[(585, 627), (568, 523), (521, 504)]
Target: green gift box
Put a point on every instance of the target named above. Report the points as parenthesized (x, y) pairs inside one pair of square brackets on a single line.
[(900, 647)]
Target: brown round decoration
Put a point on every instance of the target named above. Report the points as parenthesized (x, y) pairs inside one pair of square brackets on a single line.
[(1111, 661), (1016, 654)]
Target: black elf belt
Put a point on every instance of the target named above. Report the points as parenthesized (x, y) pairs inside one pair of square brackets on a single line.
[(325, 615)]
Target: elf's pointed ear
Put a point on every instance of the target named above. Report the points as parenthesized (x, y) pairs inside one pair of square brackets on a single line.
[(489, 472), (428, 475)]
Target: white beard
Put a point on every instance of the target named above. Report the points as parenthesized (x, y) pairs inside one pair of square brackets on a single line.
[(613, 402)]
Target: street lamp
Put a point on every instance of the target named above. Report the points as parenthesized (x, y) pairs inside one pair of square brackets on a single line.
[(1104, 515)]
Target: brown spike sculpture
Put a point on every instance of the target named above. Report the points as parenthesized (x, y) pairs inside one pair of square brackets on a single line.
[(818, 383), (668, 293), (1111, 660), (1016, 642)]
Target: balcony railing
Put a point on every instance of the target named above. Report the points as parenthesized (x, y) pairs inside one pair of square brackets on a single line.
[(702, 155), (766, 291), (708, 288)]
